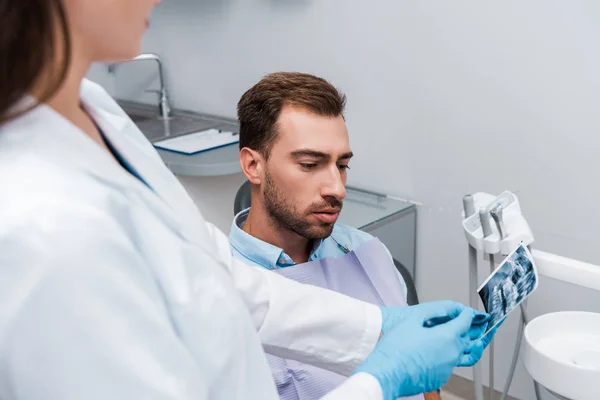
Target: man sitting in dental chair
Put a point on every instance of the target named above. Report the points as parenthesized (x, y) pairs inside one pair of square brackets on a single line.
[(295, 153)]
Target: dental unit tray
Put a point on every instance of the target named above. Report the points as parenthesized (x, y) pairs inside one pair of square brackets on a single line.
[(518, 232)]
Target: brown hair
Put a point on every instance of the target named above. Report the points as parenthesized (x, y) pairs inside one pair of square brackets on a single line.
[(260, 107), (29, 47)]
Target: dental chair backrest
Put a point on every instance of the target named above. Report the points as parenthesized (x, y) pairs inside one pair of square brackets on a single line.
[(242, 201), (242, 198)]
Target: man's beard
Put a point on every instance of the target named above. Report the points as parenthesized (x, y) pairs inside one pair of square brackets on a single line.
[(287, 217)]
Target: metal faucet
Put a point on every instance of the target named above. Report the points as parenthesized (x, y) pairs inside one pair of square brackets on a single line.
[(163, 106)]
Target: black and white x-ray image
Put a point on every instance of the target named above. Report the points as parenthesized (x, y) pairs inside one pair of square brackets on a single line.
[(514, 280)]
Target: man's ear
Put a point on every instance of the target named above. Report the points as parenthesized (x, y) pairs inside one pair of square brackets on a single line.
[(252, 164)]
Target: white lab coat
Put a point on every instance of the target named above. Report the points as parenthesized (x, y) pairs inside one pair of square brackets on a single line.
[(110, 290)]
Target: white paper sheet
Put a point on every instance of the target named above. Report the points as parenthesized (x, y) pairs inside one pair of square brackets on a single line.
[(197, 142)]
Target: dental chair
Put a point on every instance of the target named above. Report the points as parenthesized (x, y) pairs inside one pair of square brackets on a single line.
[(242, 201)]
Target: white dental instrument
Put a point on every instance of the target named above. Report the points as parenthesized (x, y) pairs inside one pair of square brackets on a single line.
[(499, 238), (469, 211), (486, 227)]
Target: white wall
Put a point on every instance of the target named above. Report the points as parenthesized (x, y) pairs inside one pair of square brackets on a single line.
[(214, 196), (445, 98)]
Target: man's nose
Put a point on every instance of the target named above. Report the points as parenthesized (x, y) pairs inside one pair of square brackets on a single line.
[(335, 186)]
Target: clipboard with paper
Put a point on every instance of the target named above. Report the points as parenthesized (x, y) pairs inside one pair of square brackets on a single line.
[(198, 142)]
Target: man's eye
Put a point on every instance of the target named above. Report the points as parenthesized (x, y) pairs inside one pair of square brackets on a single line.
[(308, 165), (343, 167)]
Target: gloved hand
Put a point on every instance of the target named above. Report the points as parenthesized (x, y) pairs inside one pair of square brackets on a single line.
[(394, 316), (475, 349), (410, 358)]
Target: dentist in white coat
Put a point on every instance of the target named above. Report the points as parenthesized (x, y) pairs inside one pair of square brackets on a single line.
[(112, 285)]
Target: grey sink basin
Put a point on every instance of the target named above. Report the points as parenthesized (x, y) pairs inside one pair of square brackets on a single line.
[(181, 122), (220, 161), (140, 118)]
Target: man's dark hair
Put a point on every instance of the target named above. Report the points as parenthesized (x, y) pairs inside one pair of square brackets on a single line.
[(260, 107)]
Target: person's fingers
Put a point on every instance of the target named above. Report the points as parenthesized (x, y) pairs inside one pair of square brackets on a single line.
[(489, 336), (481, 318), (499, 324), (467, 360), (461, 324), (470, 348), (477, 331), (443, 308), (471, 355), (474, 350)]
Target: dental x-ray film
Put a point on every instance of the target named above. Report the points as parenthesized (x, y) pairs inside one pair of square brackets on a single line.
[(510, 284)]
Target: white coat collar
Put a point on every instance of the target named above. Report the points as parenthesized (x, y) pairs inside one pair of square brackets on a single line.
[(129, 142), (53, 137)]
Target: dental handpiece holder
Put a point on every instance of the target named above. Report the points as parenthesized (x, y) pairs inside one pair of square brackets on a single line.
[(494, 226), (506, 233)]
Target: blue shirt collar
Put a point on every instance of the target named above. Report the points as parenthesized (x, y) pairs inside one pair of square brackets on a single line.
[(258, 251)]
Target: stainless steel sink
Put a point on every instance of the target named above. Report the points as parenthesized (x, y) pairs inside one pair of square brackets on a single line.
[(181, 122), (140, 118), (161, 121)]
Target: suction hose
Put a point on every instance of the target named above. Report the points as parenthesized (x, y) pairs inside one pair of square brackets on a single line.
[(513, 365)]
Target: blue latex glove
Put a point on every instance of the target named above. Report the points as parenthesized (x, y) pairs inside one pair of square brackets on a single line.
[(479, 325), (394, 316), (411, 359), (475, 349)]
